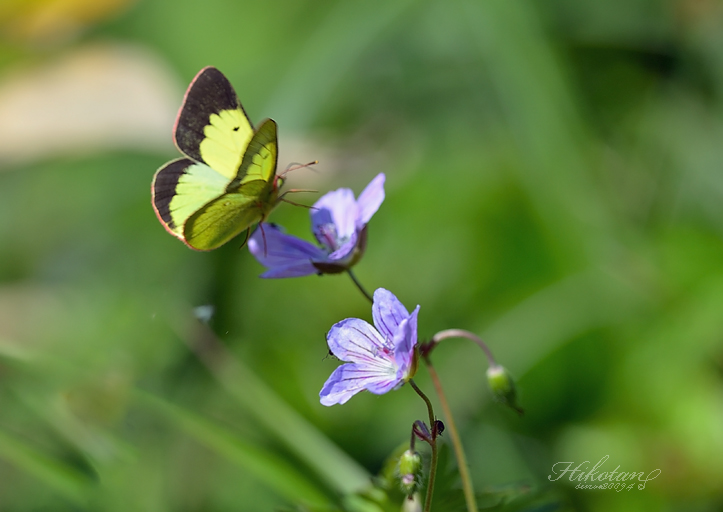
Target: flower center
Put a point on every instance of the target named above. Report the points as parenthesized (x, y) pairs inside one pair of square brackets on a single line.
[(385, 352), (328, 235)]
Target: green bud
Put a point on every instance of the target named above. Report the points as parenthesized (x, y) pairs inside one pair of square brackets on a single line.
[(503, 387), (410, 463), (410, 470)]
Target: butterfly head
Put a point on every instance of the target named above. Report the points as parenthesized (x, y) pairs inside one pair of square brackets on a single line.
[(279, 182)]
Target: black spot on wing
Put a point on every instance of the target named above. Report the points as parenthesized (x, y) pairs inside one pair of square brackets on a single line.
[(209, 93), (164, 187)]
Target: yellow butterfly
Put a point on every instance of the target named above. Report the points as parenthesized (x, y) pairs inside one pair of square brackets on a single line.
[(227, 180)]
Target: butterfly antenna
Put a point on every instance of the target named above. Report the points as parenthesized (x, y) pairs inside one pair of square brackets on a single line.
[(296, 167)]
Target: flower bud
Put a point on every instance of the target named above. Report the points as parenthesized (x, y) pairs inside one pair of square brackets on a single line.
[(410, 471), (421, 431), (503, 387)]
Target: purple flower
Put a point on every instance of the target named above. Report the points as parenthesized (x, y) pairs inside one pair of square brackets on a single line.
[(339, 223), (377, 360)]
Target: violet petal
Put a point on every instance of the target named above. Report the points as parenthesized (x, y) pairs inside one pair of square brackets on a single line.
[(355, 341), (404, 341), (345, 249), (371, 199), (387, 312), (299, 270), (349, 379), (338, 208), (273, 248)]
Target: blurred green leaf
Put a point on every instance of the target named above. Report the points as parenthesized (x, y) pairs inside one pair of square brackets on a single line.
[(273, 471), (68, 482)]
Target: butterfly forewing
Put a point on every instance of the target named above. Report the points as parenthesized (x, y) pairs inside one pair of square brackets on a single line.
[(212, 127)]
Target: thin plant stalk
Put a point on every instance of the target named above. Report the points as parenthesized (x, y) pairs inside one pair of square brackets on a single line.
[(430, 409), (359, 286), (433, 444), (464, 475)]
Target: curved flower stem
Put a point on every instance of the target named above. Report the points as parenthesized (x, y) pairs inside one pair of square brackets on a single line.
[(359, 286), (467, 487), (433, 444), (430, 410), (459, 333)]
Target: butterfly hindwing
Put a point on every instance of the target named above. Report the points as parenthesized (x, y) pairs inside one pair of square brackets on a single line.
[(225, 217), (182, 187), (212, 127)]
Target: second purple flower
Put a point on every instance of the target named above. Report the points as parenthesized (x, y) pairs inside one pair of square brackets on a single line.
[(379, 358), (339, 224)]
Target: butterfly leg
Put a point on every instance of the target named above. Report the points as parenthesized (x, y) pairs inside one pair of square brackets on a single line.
[(294, 190), (248, 232), (263, 236)]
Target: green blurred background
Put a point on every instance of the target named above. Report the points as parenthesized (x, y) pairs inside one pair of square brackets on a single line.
[(554, 184)]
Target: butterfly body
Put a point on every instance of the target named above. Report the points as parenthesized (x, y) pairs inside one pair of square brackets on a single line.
[(227, 180)]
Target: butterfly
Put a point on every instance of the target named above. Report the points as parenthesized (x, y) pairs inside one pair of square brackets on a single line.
[(227, 181)]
